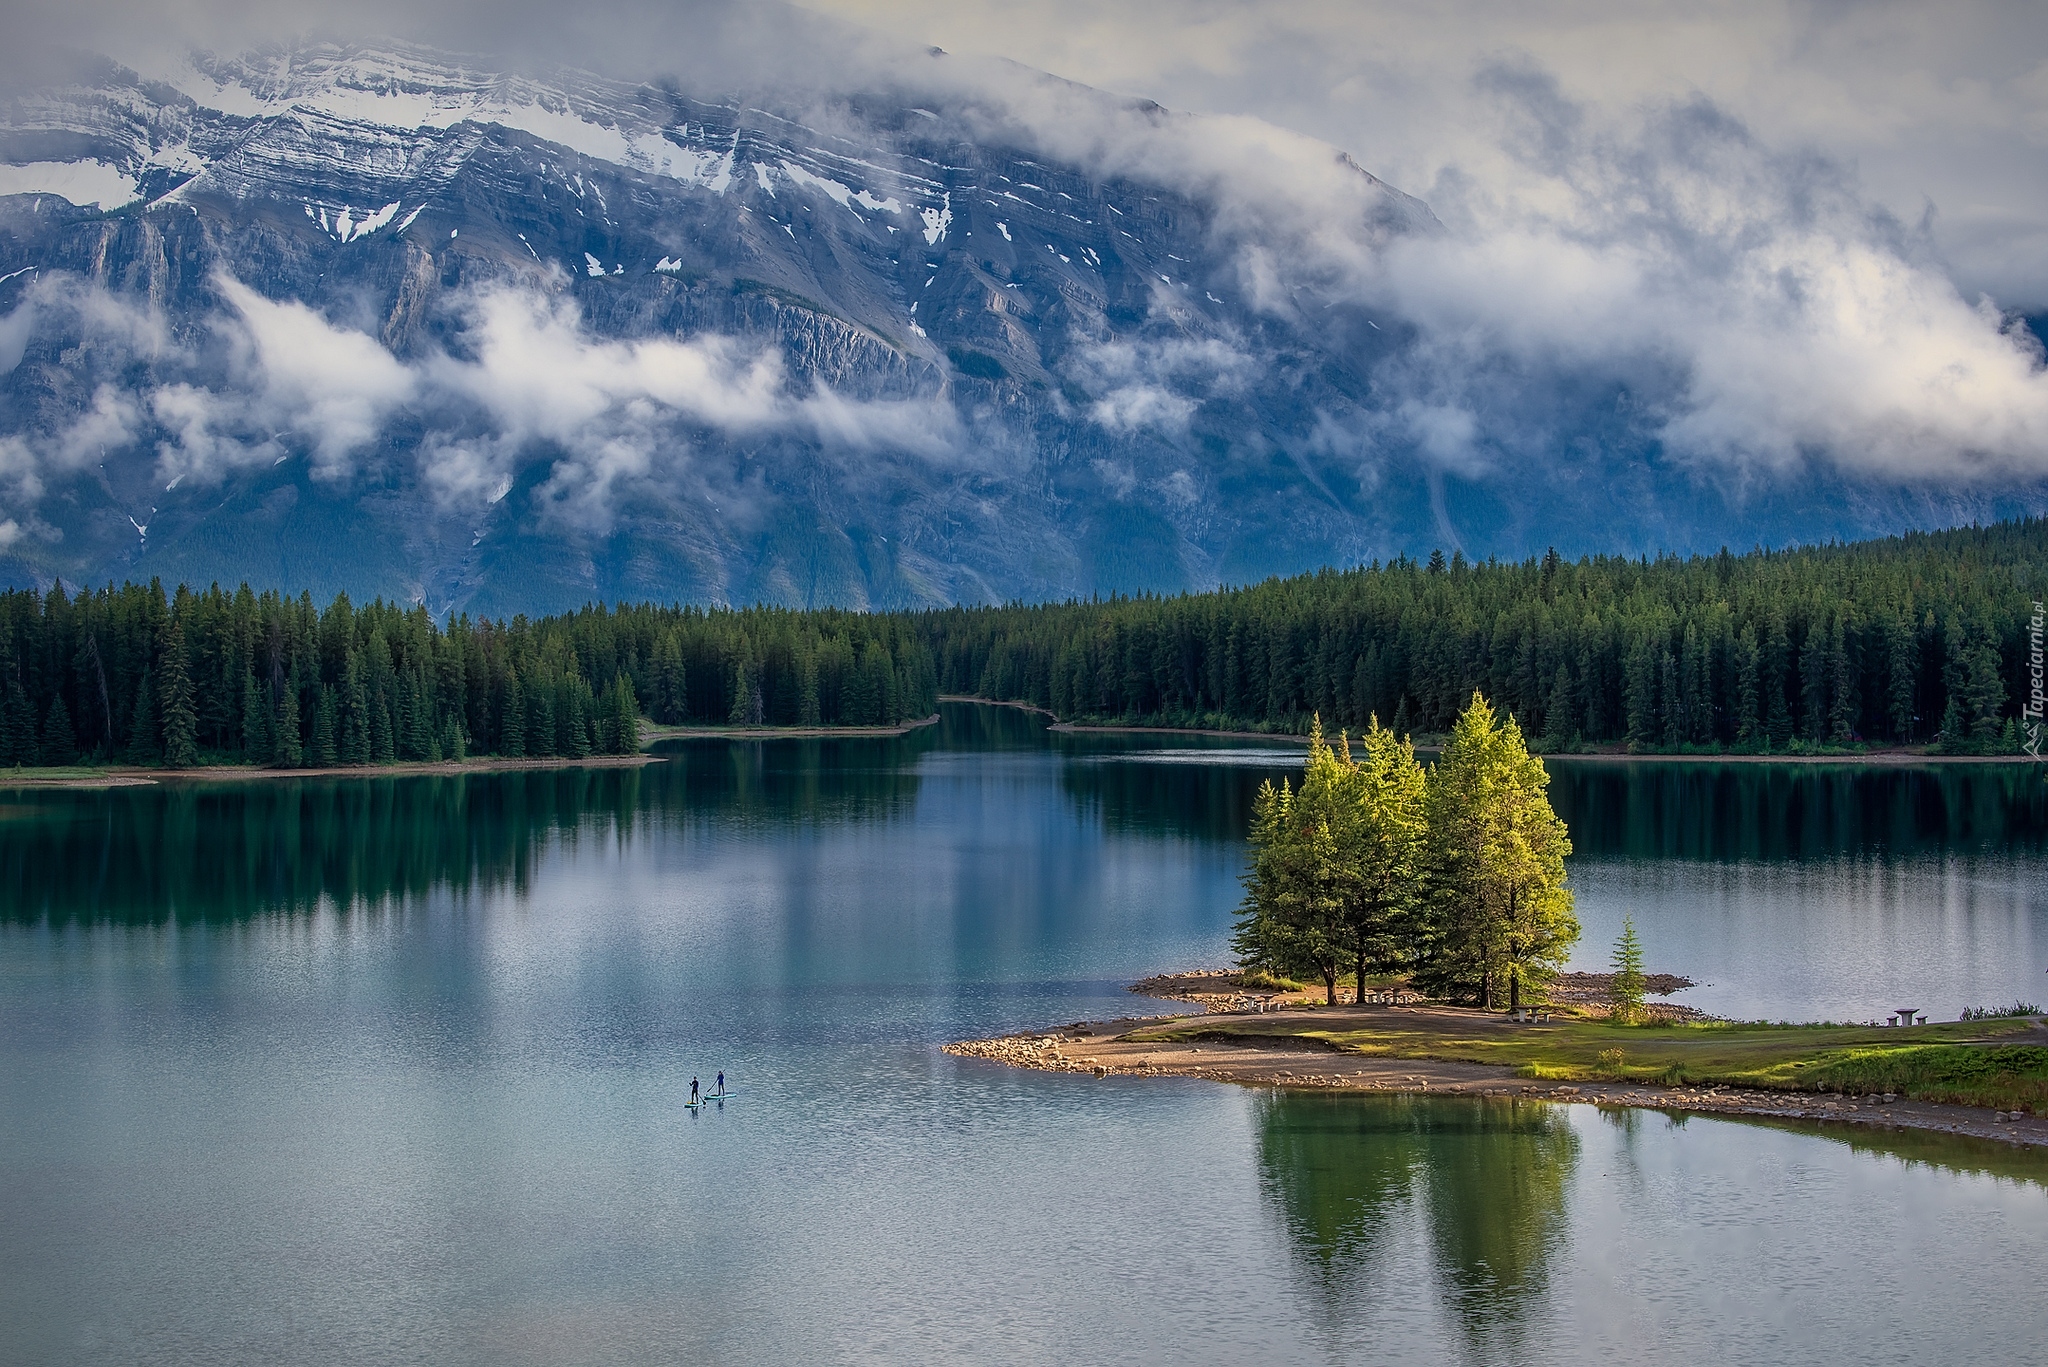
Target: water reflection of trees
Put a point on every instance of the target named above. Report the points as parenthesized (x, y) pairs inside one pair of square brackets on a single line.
[(1717, 812), (226, 850), (1201, 801), (1488, 1178), (1738, 812)]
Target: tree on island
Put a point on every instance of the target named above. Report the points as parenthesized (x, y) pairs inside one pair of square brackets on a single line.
[(1499, 911), (1376, 864), (1626, 991), (1295, 889), (1334, 863), (1387, 837)]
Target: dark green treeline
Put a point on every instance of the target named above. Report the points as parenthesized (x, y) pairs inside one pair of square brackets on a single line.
[(1920, 638), (131, 675), (1915, 639)]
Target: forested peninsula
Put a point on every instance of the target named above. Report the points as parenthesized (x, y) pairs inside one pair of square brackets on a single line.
[(1912, 640), (1917, 640)]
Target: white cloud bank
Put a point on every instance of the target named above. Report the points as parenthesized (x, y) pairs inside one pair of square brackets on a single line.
[(526, 385), (1785, 232)]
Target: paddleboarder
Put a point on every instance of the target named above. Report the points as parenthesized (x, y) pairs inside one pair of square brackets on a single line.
[(721, 1084), (693, 1091)]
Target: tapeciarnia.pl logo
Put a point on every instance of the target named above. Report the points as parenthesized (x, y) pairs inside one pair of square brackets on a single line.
[(2037, 698)]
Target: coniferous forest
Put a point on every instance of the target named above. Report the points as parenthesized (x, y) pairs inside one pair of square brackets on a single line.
[(1919, 639), (1915, 639), (132, 675)]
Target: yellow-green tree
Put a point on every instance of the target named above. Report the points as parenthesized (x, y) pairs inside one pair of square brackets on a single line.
[(1383, 838), (1336, 863), (1296, 887), (1499, 911)]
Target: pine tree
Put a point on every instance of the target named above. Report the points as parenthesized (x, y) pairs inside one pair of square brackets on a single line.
[(286, 751), (1777, 667), (1814, 676), (1384, 832), (1626, 991), (256, 742), (326, 748), (17, 727), (1748, 719), (1558, 731), (60, 741), (1639, 694), (383, 749), (1903, 654), (1980, 687), (622, 725), (354, 706), (1499, 906), (512, 733), (1845, 704), (575, 718), (741, 712), (419, 721), (809, 710), (540, 717), (142, 725), (452, 745), (1293, 917), (1671, 696), (174, 693), (671, 688)]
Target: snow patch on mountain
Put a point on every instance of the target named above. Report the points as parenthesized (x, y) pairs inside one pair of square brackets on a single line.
[(88, 184)]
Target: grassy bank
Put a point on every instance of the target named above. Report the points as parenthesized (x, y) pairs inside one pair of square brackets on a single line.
[(2000, 1064)]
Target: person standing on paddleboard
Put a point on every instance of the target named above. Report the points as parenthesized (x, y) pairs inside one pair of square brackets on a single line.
[(693, 1091), (721, 1084)]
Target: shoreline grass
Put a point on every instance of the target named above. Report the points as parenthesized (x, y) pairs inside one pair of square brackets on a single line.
[(2001, 1064)]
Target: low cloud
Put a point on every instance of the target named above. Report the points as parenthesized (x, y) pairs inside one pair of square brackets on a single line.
[(1754, 307), (336, 387), (523, 385), (1138, 384)]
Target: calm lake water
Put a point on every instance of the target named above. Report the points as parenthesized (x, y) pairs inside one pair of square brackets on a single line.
[(389, 1071)]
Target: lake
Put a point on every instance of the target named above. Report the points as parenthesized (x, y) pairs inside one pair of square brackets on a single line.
[(389, 1070)]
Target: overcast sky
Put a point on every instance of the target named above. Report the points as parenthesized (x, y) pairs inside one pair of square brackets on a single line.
[(1941, 104)]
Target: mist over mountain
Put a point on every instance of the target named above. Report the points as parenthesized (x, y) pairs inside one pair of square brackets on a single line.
[(377, 317)]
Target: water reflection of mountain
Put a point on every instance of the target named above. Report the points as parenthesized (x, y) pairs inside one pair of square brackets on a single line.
[(1487, 1180), (1744, 812), (212, 851)]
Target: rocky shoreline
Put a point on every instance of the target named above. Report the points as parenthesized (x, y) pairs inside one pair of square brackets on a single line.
[(1103, 1049)]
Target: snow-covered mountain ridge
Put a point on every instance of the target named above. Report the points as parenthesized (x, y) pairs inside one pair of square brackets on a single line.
[(379, 318)]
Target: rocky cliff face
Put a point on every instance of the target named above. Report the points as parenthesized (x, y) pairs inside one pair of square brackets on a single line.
[(375, 319)]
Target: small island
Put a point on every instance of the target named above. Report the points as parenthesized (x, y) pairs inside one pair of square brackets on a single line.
[(1429, 912)]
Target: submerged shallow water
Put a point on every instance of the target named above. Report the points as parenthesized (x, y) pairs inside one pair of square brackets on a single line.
[(389, 1070)]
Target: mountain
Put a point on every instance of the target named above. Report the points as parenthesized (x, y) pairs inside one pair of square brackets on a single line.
[(384, 319)]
